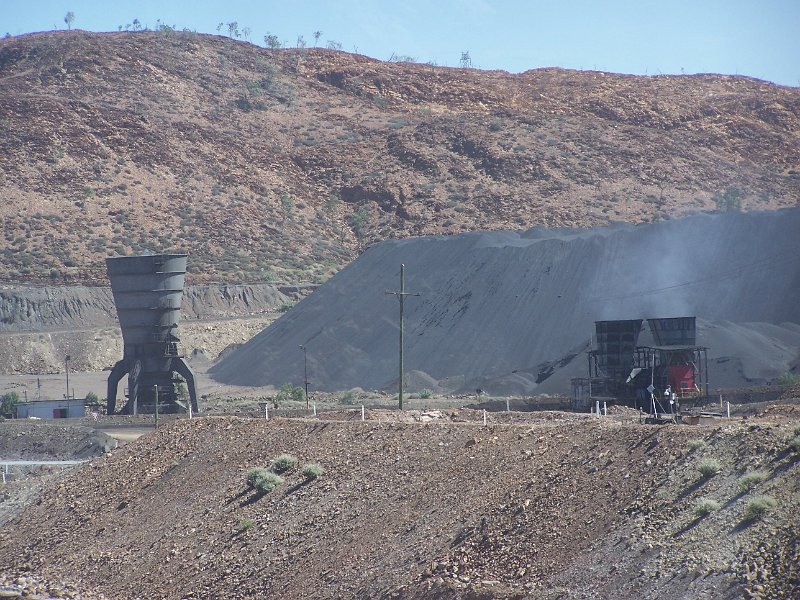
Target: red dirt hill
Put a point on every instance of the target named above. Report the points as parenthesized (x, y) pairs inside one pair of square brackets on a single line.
[(283, 164)]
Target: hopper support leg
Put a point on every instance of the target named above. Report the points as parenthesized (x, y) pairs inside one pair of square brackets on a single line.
[(133, 388), (182, 369), (117, 372)]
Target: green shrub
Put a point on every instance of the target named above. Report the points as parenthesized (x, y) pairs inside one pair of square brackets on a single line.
[(255, 474), (425, 394), (349, 398), (244, 524), (794, 445), (8, 402), (730, 199), (262, 480), (696, 444), (789, 379), (312, 470), (751, 479), (705, 506), (283, 463), (267, 483), (758, 507), (708, 468), (290, 393)]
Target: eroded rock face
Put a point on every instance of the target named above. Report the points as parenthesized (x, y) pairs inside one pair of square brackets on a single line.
[(41, 325), (32, 308)]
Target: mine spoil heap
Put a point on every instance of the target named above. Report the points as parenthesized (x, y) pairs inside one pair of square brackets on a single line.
[(567, 505), (513, 312)]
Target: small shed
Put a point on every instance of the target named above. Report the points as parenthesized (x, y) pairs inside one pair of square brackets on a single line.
[(52, 409)]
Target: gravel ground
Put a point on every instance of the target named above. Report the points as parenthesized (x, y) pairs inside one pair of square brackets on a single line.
[(433, 505)]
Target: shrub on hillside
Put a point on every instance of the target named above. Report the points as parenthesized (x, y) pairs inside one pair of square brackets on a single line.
[(254, 474), (290, 393), (283, 463), (267, 483), (751, 479), (705, 506), (244, 524), (789, 379), (794, 445), (758, 507), (696, 444), (312, 470), (708, 468), (349, 398), (262, 480)]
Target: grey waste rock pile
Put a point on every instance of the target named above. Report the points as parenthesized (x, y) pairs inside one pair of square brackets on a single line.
[(515, 309)]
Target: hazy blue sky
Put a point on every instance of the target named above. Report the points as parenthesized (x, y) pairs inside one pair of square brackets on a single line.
[(760, 38)]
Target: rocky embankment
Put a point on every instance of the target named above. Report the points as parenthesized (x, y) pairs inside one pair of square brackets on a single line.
[(33, 308), (41, 325), (30, 440), (549, 506)]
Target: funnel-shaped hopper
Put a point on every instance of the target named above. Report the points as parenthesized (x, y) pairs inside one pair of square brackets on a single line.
[(675, 331), (147, 292), (616, 344)]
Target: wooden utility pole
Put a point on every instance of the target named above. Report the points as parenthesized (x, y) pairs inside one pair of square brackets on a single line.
[(305, 370), (401, 296)]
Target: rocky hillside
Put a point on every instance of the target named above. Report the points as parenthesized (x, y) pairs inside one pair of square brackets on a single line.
[(284, 164), (546, 506), (29, 308)]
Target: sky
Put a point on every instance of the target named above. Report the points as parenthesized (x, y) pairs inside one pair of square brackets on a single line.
[(758, 38)]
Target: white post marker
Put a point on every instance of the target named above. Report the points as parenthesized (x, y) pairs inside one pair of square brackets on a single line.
[(362, 412), (728, 406), (597, 407), (315, 409), (190, 409), (508, 406), (484, 417), (605, 409), (266, 411)]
